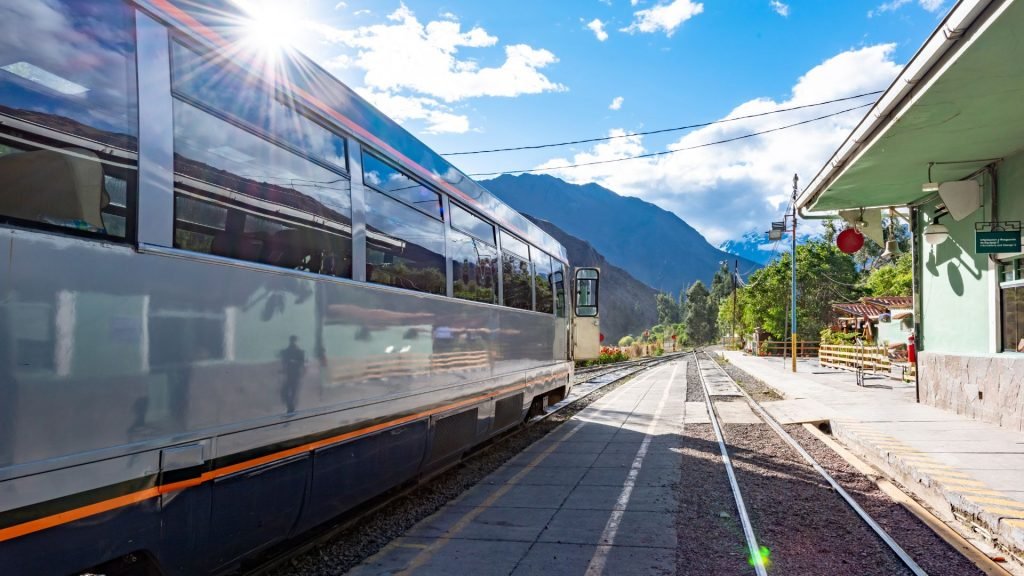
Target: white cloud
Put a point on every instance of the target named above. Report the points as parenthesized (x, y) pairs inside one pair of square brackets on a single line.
[(727, 190), (665, 17), (597, 27), (340, 5), (779, 8), (438, 117), (422, 58), (893, 5), (616, 103), (363, 12)]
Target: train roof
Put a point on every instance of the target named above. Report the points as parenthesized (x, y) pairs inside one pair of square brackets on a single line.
[(216, 24)]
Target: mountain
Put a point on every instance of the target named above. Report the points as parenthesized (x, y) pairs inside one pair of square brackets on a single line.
[(627, 304), (755, 246), (654, 245)]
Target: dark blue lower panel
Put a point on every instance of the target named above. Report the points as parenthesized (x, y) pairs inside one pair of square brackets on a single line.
[(348, 474), (257, 508)]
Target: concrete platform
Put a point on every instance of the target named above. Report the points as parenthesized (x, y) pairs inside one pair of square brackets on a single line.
[(961, 467), (596, 496)]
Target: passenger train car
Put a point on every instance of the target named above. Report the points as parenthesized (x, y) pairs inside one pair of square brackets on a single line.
[(237, 301)]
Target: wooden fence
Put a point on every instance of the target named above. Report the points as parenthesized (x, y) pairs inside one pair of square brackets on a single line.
[(870, 359), (807, 349)]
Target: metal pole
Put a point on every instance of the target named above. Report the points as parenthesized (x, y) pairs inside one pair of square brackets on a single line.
[(793, 295), (735, 270)]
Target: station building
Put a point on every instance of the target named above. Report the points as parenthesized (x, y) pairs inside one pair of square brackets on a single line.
[(944, 146)]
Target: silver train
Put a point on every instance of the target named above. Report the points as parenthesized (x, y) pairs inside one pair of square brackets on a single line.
[(236, 301)]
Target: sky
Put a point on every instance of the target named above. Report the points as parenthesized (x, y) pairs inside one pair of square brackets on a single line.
[(467, 75)]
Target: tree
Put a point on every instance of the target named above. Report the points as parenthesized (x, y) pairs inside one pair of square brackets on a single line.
[(721, 284), (824, 275), (701, 315), (896, 279), (668, 310)]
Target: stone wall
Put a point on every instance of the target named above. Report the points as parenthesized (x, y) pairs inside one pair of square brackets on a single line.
[(988, 388)]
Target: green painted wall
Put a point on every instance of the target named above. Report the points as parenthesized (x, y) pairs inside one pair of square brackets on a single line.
[(956, 283), (955, 294)]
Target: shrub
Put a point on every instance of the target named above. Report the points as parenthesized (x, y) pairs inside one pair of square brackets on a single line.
[(625, 341)]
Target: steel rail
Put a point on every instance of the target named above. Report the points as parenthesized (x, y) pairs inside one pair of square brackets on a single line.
[(748, 529), (329, 533), (778, 429)]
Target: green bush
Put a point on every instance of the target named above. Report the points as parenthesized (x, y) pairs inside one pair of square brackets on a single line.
[(625, 341)]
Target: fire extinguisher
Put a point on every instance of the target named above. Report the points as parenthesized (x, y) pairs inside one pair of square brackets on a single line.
[(911, 350)]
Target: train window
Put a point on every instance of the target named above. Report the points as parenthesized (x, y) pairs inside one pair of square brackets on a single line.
[(404, 248), (471, 224), (247, 98), (474, 267), (394, 183), (542, 270), (516, 289), (243, 234), (70, 188), (510, 243), (558, 281), (69, 65), (264, 204)]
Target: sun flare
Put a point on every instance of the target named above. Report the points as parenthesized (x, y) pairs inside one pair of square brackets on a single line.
[(273, 25)]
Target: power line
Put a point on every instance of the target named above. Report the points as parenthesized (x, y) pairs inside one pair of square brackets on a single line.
[(667, 152), (662, 130)]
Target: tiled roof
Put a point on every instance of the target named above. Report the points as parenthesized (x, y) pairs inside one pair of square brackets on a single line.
[(892, 301), (858, 310)]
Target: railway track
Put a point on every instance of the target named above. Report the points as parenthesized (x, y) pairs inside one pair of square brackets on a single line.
[(597, 379), (757, 556)]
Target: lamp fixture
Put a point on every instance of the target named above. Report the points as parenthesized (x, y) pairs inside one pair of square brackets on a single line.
[(935, 233)]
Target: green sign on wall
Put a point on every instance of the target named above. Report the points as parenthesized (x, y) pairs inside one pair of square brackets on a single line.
[(997, 241)]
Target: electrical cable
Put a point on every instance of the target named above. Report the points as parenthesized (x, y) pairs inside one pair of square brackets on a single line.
[(662, 130), (673, 151)]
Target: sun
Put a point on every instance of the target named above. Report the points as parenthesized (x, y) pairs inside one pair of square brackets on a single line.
[(272, 25)]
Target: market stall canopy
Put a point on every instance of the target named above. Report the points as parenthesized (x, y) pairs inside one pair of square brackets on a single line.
[(958, 99)]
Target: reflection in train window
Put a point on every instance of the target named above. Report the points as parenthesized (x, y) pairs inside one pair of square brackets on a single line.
[(516, 287), (245, 97), (69, 65), (542, 270), (404, 248), (69, 188), (234, 232), (466, 221), (394, 183), (558, 281), (217, 152), (515, 282), (474, 268)]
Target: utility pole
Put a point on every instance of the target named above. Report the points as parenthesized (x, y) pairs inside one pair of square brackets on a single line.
[(796, 179), (735, 270)]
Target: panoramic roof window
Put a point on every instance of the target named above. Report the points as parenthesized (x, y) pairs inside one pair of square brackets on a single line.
[(394, 183), (69, 65)]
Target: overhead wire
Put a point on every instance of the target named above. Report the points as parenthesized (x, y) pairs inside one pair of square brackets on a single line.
[(661, 130), (675, 150)]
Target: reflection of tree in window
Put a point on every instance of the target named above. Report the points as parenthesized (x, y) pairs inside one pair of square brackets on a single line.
[(558, 280), (404, 248), (542, 281), (516, 282), (474, 265)]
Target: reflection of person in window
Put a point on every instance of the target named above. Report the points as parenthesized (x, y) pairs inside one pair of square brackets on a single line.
[(293, 363)]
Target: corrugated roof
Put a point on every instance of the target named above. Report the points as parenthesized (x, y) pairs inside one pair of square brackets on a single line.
[(858, 310), (891, 301)]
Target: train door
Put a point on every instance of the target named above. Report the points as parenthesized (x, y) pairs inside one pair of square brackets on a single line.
[(586, 327)]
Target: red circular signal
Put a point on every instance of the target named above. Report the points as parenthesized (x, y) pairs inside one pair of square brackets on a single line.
[(850, 240)]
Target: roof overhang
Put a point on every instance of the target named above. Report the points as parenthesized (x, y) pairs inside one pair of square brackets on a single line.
[(958, 99)]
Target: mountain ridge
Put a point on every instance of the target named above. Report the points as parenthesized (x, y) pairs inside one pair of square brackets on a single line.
[(631, 233)]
